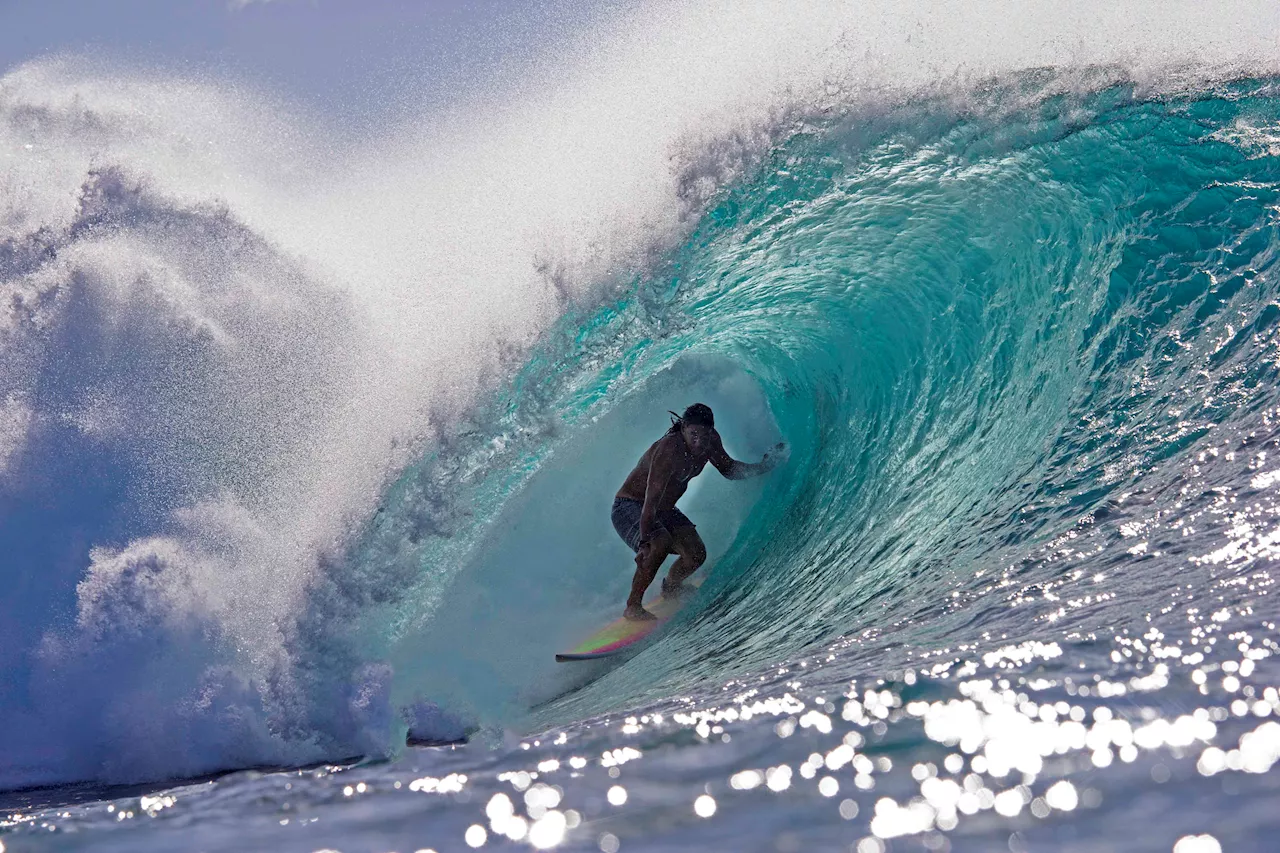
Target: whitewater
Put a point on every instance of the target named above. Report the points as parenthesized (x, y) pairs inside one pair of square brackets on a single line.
[(308, 438)]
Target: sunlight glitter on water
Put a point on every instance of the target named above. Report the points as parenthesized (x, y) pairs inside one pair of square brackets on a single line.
[(1010, 742)]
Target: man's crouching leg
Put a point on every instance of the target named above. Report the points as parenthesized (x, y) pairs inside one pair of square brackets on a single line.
[(648, 560), (693, 553)]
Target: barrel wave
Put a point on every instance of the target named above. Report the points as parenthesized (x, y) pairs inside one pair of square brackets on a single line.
[(992, 338), (289, 486)]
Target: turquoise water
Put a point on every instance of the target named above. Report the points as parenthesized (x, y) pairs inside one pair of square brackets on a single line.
[(993, 341), (1010, 591)]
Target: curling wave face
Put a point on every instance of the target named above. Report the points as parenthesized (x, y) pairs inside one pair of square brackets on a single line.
[(1020, 561), (1003, 344), (1026, 360)]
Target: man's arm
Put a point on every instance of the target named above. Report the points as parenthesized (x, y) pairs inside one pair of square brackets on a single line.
[(732, 469), (660, 472)]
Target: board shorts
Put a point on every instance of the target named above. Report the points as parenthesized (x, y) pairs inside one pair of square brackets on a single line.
[(626, 520)]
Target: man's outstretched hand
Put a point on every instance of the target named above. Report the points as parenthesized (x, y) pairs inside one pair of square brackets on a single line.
[(775, 457)]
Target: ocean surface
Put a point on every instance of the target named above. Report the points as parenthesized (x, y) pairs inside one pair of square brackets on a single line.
[(308, 443)]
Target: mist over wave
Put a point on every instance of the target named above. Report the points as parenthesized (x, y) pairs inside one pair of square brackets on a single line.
[(286, 427)]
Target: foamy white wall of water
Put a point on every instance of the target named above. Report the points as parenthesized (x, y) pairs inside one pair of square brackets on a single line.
[(278, 312)]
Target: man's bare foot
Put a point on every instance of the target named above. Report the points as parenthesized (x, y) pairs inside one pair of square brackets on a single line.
[(636, 613)]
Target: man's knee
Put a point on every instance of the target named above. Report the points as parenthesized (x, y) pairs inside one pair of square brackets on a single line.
[(659, 543)]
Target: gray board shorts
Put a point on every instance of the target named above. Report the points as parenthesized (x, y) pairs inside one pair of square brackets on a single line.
[(626, 520)]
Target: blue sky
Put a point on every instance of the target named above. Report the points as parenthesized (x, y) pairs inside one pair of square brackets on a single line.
[(345, 55)]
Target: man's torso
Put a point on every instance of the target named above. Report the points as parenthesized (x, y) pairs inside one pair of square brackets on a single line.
[(684, 468)]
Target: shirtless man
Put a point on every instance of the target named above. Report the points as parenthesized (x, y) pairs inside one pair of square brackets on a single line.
[(644, 510)]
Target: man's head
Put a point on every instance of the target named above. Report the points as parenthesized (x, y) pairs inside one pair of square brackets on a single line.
[(696, 425)]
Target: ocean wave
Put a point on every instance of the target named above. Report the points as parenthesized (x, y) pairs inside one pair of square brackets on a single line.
[(294, 438)]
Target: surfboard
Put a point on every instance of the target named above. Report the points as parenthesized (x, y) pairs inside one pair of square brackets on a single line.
[(622, 634)]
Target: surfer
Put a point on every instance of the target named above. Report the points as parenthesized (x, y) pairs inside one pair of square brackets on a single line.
[(644, 510)]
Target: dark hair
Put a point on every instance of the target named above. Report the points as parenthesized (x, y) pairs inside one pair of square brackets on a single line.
[(699, 414)]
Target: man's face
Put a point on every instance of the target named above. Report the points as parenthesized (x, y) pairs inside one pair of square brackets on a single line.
[(697, 436)]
